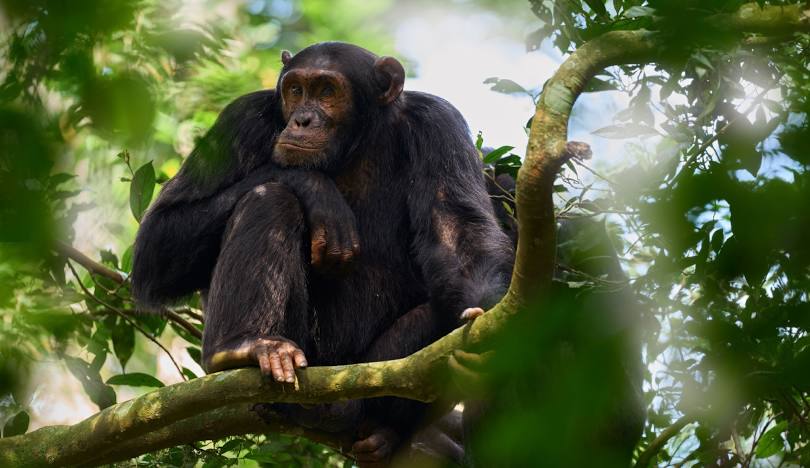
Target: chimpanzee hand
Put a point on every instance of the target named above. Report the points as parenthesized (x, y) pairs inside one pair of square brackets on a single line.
[(332, 225), (278, 358), (333, 236)]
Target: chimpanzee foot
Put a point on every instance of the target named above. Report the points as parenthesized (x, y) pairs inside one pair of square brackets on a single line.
[(377, 449), (278, 358)]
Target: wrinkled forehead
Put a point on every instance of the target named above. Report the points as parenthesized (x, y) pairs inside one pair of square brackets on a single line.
[(316, 67), (315, 61), (314, 73), (352, 62)]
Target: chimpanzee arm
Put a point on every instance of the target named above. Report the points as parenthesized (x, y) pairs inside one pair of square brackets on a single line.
[(179, 238), (466, 258)]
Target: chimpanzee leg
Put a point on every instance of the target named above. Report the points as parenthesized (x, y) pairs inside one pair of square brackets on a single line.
[(410, 333), (389, 419), (258, 294)]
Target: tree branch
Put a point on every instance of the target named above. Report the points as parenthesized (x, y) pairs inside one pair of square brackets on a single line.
[(233, 420), (658, 443), (546, 150), (97, 268), (88, 263), (132, 427)]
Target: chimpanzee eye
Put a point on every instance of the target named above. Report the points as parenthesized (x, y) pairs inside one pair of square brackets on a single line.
[(327, 91), (296, 90)]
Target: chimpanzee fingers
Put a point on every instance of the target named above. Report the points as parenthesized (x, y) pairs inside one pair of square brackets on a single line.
[(288, 367), (334, 252), (472, 313), (264, 364), (340, 248), (300, 359), (275, 365), (318, 246), (350, 244)]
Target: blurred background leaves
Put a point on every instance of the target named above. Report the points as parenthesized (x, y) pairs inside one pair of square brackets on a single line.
[(704, 211)]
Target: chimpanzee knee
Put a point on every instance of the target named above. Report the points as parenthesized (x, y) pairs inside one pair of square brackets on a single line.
[(258, 288)]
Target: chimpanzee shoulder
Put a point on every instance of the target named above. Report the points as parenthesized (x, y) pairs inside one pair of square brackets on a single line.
[(439, 142)]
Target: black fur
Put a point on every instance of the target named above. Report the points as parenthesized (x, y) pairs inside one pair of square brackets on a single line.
[(408, 173)]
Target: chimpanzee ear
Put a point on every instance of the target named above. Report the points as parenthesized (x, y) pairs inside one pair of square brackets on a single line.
[(391, 76), (286, 55)]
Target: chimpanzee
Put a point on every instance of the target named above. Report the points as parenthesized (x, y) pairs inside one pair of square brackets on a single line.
[(336, 219)]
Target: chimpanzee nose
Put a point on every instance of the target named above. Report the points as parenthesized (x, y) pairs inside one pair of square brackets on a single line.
[(303, 120)]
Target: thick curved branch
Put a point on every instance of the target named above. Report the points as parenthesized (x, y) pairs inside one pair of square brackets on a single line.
[(546, 150), (234, 420), (136, 426), (100, 436)]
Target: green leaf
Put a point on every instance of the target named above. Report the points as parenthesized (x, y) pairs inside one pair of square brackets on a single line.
[(479, 141), (596, 85), (598, 6), (639, 11), (109, 257), (496, 154), (773, 106), (234, 444), (17, 425), (195, 353), (60, 178), (505, 86), (184, 333), (126, 260), (189, 373), (670, 86), (703, 60), (123, 338), (135, 379), (99, 393), (141, 190), (629, 130), (771, 443)]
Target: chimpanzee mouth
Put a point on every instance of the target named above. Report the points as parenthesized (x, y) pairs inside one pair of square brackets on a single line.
[(296, 147)]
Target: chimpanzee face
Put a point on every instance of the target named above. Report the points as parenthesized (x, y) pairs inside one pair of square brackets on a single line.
[(317, 107), (328, 93)]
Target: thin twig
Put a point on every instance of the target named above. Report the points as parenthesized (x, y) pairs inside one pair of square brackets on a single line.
[(125, 318), (192, 313), (91, 265), (755, 442), (97, 268), (597, 174), (658, 443), (507, 193), (176, 318), (706, 144)]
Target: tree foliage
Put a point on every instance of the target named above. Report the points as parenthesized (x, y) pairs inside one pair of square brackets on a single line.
[(707, 210)]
